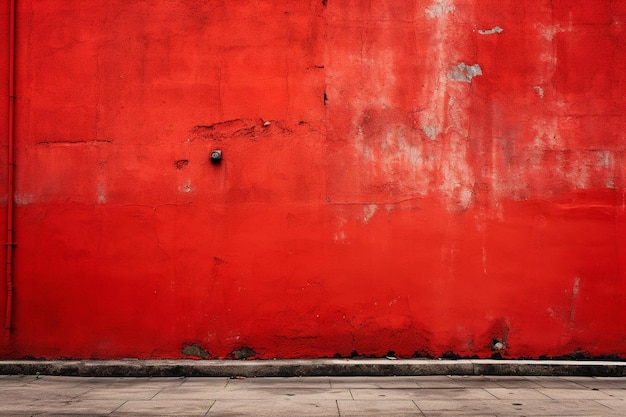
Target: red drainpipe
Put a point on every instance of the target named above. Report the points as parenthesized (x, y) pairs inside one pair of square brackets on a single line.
[(11, 166)]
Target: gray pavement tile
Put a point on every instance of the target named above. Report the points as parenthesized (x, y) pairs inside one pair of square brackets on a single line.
[(140, 385), (553, 382), (68, 407), (34, 393), (518, 408), (205, 378), (420, 393), (133, 382), (274, 407), (457, 414), (160, 382), (437, 382), (205, 382), (618, 394), (168, 407), (374, 382), (542, 408), (193, 393), (618, 406), (11, 405), (255, 393), (618, 382), (16, 380), (125, 393), (378, 408), (515, 382), (598, 383), (121, 383), (91, 406), (574, 394), (58, 381), (475, 381), (296, 393), (271, 382), (517, 394), (458, 406), (104, 380)]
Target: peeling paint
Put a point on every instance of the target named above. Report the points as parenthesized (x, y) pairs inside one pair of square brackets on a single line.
[(464, 72), (431, 132), (496, 29), (439, 9)]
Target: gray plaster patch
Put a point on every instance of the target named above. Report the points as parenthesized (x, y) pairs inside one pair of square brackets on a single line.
[(438, 10), (430, 131), (464, 72), (496, 29)]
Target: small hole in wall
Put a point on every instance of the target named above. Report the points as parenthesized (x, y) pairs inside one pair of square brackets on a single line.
[(181, 163)]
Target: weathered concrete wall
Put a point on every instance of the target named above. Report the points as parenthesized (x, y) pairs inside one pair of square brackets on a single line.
[(418, 177)]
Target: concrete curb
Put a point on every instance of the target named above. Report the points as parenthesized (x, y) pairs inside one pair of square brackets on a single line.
[(313, 367)]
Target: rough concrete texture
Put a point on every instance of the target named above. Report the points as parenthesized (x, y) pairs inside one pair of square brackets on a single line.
[(318, 367)]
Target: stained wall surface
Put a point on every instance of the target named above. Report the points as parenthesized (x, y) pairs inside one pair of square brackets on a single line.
[(424, 177)]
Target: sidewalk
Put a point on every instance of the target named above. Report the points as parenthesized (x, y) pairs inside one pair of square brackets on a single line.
[(314, 396)]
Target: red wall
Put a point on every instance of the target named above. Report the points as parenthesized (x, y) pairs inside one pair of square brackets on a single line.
[(434, 176)]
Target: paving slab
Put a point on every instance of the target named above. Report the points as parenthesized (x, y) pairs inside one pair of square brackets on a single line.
[(52, 406), (124, 393), (17, 380), (514, 382), (553, 382), (570, 394), (373, 382), (255, 393), (420, 393), (378, 408), (282, 407), (598, 383), (517, 394), (618, 394), (11, 405), (468, 381), (469, 406), (281, 382), (165, 407), (617, 406), (457, 414), (438, 382), (517, 408)]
